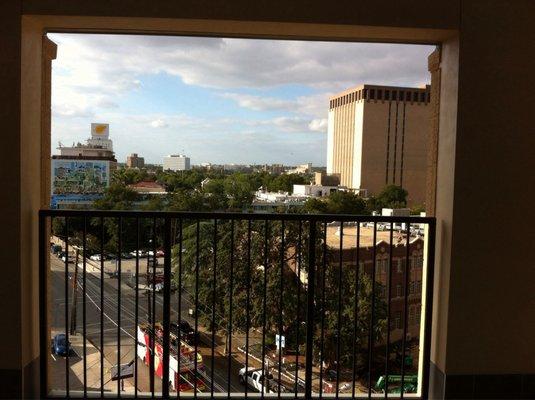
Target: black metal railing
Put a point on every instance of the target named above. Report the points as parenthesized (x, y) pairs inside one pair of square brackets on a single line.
[(192, 304)]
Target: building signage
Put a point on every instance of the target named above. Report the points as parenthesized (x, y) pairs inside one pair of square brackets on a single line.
[(101, 131), (79, 177)]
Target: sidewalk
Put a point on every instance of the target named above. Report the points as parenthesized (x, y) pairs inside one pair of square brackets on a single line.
[(93, 367)]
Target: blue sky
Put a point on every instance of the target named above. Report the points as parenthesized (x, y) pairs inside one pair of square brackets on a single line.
[(217, 100)]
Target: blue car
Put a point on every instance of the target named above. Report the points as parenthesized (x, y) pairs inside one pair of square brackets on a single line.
[(60, 347)]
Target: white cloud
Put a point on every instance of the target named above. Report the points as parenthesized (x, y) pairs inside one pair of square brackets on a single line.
[(118, 60), (259, 103), (159, 123), (318, 125)]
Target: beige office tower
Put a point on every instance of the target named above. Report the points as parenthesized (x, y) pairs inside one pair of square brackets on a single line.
[(378, 136)]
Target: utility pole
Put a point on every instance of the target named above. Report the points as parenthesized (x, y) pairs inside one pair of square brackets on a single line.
[(74, 294)]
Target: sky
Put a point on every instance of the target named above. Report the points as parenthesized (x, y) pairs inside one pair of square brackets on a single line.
[(217, 100)]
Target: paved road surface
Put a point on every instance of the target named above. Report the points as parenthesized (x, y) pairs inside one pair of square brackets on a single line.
[(115, 328)]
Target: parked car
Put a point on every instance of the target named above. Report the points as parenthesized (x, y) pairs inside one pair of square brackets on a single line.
[(142, 253), (126, 256), (63, 257), (187, 333), (55, 248), (60, 346), (98, 257), (255, 378)]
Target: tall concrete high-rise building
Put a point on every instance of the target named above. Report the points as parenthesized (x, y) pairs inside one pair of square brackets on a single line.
[(377, 136)]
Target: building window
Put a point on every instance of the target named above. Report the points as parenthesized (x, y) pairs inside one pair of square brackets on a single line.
[(397, 320), (372, 94), (379, 94), (422, 97), (415, 96), (365, 94), (409, 97), (401, 96), (387, 94), (401, 264), (394, 95)]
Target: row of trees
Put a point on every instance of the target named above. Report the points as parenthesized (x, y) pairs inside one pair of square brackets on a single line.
[(261, 272)]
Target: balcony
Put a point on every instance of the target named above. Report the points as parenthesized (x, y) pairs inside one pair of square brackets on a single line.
[(323, 306)]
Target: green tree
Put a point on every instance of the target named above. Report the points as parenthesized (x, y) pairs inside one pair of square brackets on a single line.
[(391, 196), (285, 182), (338, 202), (116, 197)]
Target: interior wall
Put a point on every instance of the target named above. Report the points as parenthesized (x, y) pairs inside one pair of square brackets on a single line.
[(492, 282), (10, 173)]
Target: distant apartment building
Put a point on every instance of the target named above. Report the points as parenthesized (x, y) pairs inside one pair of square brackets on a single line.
[(134, 161), (382, 266), (365, 258), (301, 169), (273, 168), (81, 172), (377, 136), (176, 162)]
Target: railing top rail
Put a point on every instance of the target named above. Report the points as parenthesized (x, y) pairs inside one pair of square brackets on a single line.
[(209, 215)]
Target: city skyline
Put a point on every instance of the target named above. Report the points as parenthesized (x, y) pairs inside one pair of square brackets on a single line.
[(209, 99)]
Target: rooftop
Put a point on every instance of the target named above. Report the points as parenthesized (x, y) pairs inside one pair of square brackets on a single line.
[(366, 237)]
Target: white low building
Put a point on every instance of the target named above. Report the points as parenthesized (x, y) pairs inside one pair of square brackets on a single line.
[(272, 201), (176, 162), (316, 190)]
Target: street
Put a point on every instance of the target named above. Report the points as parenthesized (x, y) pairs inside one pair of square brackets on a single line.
[(118, 330)]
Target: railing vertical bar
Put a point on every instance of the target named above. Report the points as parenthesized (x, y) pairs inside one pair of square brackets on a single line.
[(339, 305), (101, 307), (405, 307), (84, 317), (264, 307), (372, 316), (281, 291), (298, 309), (231, 289), (430, 273), (136, 312), (197, 266), (180, 244), (67, 375), (355, 315), (323, 281), (118, 260), (310, 307), (166, 306), (43, 304), (152, 309), (214, 298), (247, 301), (388, 301)]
